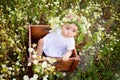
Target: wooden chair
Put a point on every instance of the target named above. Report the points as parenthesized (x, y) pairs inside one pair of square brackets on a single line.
[(38, 31)]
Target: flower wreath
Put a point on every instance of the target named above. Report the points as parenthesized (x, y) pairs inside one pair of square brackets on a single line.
[(72, 21), (56, 22)]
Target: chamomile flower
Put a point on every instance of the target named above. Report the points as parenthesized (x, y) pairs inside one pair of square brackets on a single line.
[(44, 64), (26, 77), (35, 61), (30, 49)]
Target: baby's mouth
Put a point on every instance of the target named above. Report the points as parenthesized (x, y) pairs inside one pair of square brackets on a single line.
[(67, 35)]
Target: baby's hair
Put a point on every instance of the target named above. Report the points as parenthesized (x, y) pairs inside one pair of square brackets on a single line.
[(72, 16), (72, 19)]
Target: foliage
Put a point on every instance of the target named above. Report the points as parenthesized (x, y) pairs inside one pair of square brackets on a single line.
[(98, 49)]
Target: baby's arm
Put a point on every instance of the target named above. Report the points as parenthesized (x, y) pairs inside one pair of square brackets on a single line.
[(40, 46), (67, 55)]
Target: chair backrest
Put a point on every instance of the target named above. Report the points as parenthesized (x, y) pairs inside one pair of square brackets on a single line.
[(36, 32)]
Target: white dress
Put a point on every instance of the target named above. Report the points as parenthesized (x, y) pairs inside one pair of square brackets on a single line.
[(55, 45)]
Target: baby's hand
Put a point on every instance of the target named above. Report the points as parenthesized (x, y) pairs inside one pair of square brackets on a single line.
[(65, 58)]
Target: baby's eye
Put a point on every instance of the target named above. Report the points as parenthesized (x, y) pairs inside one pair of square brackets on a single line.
[(74, 30), (67, 28)]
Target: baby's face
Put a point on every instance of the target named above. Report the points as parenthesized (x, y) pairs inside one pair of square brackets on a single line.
[(69, 30)]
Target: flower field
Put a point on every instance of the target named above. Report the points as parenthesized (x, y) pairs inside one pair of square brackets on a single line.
[(97, 41)]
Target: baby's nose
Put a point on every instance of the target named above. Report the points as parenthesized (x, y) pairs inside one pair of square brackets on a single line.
[(69, 31)]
